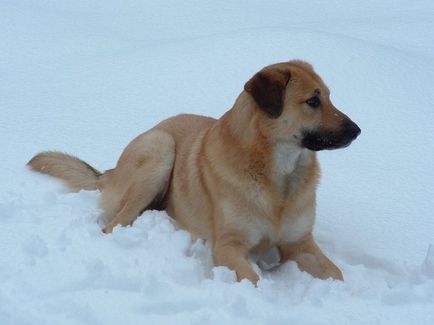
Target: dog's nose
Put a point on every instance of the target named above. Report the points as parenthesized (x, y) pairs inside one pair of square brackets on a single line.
[(352, 130)]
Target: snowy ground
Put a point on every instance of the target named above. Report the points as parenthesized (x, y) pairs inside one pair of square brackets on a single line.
[(87, 76)]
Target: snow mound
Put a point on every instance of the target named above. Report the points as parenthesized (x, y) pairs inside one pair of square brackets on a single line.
[(58, 267)]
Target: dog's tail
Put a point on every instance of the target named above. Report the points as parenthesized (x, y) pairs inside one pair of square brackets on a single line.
[(75, 173)]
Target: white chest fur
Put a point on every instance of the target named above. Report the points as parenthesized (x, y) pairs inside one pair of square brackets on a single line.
[(286, 156), (256, 219), (257, 228), (289, 163), (295, 228)]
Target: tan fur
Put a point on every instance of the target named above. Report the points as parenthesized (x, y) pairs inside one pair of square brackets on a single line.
[(242, 181), (75, 173)]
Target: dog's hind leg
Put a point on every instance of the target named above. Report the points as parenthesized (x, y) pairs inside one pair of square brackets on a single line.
[(142, 174)]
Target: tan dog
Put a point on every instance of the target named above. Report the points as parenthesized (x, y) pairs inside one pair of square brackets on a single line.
[(246, 181)]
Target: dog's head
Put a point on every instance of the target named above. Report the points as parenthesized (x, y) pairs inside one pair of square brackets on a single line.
[(294, 105)]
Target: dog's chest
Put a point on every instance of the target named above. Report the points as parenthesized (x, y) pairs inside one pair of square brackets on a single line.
[(259, 223), (280, 208), (285, 213), (290, 228), (295, 226)]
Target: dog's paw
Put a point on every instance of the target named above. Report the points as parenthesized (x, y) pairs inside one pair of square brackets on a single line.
[(249, 275), (331, 272)]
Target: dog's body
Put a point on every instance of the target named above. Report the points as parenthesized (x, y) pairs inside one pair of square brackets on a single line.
[(246, 181)]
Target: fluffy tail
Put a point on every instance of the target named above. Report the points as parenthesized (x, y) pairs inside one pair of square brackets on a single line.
[(75, 173)]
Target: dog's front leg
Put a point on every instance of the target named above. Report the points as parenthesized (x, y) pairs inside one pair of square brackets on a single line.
[(229, 250), (310, 258)]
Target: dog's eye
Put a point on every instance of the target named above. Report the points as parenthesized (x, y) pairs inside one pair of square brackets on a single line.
[(314, 102)]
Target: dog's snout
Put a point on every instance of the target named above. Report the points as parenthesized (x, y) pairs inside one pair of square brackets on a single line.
[(351, 129)]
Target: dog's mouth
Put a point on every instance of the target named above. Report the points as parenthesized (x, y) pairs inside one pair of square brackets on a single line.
[(328, 140)]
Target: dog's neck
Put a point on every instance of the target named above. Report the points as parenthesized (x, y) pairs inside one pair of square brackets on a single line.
[(290, 163), (278, 162), (286, 157)]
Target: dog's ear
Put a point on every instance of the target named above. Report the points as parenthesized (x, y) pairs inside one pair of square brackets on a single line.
[(267, 88)]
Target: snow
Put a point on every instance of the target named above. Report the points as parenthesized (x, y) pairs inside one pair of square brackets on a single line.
[(86, 77)]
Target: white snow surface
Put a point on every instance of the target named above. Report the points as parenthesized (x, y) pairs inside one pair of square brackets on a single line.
[(86, 77)]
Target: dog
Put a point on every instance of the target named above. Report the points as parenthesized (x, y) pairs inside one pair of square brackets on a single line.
[(246, 182)]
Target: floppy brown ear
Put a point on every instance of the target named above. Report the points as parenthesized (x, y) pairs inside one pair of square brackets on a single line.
[(267, 88)]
